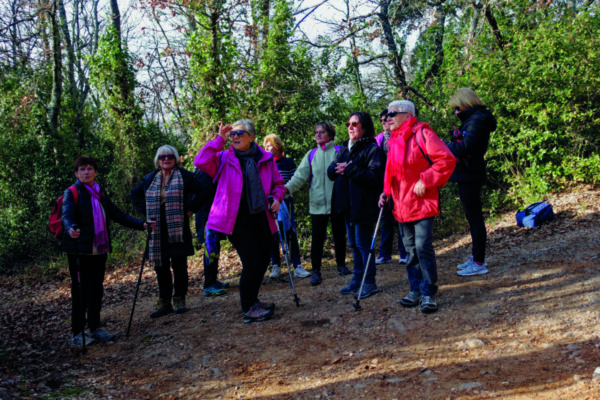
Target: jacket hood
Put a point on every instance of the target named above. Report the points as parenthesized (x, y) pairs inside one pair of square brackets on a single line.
[(481, 113)]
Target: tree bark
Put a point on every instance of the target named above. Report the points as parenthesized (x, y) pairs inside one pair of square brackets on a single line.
[(394, 54), (55, 99)]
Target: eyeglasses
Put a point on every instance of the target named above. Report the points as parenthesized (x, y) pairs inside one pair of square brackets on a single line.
[(239, 133), (457, 109), (354, 124), (384, 119), (320, 133), (163, 157), (392, 114)]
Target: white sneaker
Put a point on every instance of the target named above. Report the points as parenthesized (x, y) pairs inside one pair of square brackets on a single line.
[(275, 272), (300, 272), (473, 269), (466, 263)]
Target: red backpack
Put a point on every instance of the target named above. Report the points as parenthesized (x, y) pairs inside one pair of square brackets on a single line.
[(56, 226)]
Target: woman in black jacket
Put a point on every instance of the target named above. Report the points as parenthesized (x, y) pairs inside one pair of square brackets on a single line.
[(169, 195), (87, 242), (469, 143), (358, 174)]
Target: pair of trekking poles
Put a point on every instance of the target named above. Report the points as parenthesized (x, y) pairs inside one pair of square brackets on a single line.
[(285, 253)]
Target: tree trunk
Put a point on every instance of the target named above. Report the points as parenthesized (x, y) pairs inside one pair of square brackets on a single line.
[(394, 54), (438, 57), (54, 106)]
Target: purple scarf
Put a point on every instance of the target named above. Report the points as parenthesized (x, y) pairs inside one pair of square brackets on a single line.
[(100, 234)]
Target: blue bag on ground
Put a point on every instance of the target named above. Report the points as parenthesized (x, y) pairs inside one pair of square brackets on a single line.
[(535, 214)]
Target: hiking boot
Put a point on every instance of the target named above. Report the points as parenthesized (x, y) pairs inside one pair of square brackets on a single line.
[(351, 288), (213, 291), (369, 289), (102, 336), (300, 272), (265, 305), (257, 314), (221, 285), (162, 308), (179, 305), (411, 299), (316, 278), (343, 270), (275, 272), (473, 269), (428, 305), (466, 263), (78, 340), (403, 260), (383, 260)]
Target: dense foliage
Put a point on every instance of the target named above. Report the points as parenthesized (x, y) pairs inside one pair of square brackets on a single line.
[(537, 66)]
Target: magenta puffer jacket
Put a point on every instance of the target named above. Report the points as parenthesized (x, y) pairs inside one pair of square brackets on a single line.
[(224, 167)]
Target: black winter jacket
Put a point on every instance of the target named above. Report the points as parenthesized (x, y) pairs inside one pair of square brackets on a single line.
[(81, 214), (470, 143), (356, 192), (192, 200)]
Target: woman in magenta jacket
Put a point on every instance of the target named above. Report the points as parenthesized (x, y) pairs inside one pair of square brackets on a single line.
[(246, 176), (419, 164)]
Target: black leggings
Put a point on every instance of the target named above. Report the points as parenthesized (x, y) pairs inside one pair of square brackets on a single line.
[(252, 238), (87, 303), (319, 234), (470, 197)]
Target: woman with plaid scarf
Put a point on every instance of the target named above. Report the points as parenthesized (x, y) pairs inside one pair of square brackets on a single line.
[(170, 196), (246, 176)]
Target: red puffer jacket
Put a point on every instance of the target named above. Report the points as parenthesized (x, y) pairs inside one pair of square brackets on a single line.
[(406, 164)]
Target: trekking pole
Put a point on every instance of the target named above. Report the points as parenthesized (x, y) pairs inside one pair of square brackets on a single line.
[(357, 305), (287, 261), (80, 290), (285, 253), (137, 287)]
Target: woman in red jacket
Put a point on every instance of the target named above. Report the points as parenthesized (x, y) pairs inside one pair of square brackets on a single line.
[(418, 166)]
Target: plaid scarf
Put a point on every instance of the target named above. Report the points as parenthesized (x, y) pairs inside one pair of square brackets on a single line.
[(173, 196)]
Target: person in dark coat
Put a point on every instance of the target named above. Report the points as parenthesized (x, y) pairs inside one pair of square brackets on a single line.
[(468, 144), (170, 196), (358, 174), (87, 243)]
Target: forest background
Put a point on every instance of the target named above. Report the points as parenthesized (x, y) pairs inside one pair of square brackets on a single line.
[(117, 80)]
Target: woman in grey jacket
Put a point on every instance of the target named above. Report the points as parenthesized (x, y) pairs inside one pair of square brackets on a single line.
[(313, 170)]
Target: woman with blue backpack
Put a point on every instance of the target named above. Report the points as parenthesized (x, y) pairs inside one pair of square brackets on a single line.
[(313, 170), (468, 144)]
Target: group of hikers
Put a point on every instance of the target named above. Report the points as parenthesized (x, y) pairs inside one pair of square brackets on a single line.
[(238, 192)]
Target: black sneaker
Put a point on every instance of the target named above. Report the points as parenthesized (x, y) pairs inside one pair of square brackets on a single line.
[(343, 270), (316, 278), (369, 289), (257, 314), (351, 288), (428, 305), (102, 336), (411, 299), (221, 285)]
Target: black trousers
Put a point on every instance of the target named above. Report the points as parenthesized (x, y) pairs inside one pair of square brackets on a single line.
[(470, 197), (252, 238), (87, 302), (179, 279), (319, 234)]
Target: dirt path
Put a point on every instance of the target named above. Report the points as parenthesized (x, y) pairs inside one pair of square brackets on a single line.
[(528, 329)]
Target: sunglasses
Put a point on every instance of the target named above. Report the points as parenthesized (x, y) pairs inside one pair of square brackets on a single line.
[(353, 124), (163, 157), (392, 114), (239, 133), (457, 109)]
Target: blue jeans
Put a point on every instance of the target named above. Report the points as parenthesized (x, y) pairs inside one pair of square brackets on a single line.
[(388, 226), (212, 252), (421, 267), (360, 237)]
